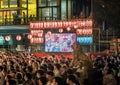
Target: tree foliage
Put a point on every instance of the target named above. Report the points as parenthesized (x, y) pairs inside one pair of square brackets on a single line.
[(108, 11)]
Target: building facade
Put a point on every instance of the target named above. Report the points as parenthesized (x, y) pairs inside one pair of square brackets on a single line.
[(23, 11), (62, 9)]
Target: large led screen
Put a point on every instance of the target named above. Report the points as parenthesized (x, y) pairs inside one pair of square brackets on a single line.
[(59, 42)]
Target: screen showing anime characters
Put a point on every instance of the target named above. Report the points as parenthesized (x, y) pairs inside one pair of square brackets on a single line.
[(59, 42)]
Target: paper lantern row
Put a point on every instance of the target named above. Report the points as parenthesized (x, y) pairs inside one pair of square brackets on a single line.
[(84, 31), (8, 37), (36, 31), (60, 24), (36, 40)]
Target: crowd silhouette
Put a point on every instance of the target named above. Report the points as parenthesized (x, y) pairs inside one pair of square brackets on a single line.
[(22, 68)]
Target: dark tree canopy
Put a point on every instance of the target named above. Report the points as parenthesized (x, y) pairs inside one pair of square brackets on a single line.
[(108, 11)]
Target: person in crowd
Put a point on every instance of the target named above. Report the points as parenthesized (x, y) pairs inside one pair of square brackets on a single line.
[(42, 81), (58, 81), (63, 70), (19, 78), (82, 72), (71, 80), (11, 82), (17, 68), (108, 78), (39, 74), (50, 77), (97, 74), (34, 66), (118, 74), (28, 79), (57, 70), (2, 76), (78, 77)]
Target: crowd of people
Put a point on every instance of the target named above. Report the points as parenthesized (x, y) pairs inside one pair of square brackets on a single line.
[(22, 68)]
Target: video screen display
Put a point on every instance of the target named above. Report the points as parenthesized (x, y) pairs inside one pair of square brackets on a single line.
[(59, 42)]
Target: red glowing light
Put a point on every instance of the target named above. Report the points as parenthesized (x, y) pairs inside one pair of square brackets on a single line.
[(40, 34), (61, 24), (7, 38), (49, 32), (68, 28), (18, 37), (75, 26), (29, 36), (60, 30)]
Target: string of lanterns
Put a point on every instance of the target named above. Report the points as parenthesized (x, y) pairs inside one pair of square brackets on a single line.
[(36, 35), (8, 37), (82, 27), (77, 23)]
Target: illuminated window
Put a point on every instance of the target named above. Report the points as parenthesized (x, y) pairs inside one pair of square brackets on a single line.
[(42, 3), (48, 9), (52, 2), (63, 9)]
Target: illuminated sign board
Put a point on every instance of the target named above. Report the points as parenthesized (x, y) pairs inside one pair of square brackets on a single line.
[(85, 39)]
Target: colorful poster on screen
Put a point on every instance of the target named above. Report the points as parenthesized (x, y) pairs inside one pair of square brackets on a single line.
[(59, 42)]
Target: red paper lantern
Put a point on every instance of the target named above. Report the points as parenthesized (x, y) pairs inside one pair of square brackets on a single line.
[(68, 28), (36, 25), (31, 25), (40, 34), (49, 32), (63, 24), (31, 40), (87, 32), (41, 31), (83, 23), (69, 23), (29, 36), (90, 31), (18, 37), (90, 22), (55, 24), (42, 40), (60, 24), (84, 31), (79, 31), (7, 38), (75, 26), (60, 30)]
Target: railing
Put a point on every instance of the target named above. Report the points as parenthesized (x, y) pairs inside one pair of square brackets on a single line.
[(16, 21), (23, 21)]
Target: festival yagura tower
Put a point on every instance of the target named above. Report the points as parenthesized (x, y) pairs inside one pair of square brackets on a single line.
[(63, 16)]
